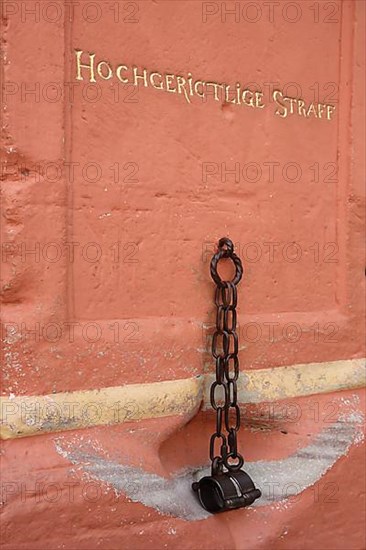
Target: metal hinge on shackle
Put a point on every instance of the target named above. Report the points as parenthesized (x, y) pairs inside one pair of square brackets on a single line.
[(228, 487)]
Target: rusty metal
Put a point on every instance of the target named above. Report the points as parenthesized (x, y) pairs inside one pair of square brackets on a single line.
[(228, 486)]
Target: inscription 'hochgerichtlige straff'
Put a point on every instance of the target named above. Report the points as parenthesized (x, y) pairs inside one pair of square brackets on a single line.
[(87, 67)]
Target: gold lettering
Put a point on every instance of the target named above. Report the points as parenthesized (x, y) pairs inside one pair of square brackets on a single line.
[(258, 100), (100, 70), (292, 101), (250, 102), (238, 93), (137, 76), (321, 107), (199, 83), (153, 83), (215, 87), (330, 111), (80, 65), (188, 87), (118, 73), (181, 83), (311, 110), (168, 80), (301, 107), (189, 80), (277, 96), (227, 99)]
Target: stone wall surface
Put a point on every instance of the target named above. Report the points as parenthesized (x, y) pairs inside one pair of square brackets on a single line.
[(134, 136)]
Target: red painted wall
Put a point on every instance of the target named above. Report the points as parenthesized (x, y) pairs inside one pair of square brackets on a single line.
[(121, 193)]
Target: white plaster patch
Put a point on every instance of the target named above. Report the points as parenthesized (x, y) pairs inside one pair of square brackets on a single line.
[(278, 479)]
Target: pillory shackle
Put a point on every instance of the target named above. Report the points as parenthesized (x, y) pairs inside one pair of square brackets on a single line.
[(228, 486)]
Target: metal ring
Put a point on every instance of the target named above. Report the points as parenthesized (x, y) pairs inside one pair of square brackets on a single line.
[(220, 370), (227, 415), (225, 344), (233, 467), (219, 420), (212, 444), (226, 253), (214, 405), (217, 465), (234, 370), (225, 241)]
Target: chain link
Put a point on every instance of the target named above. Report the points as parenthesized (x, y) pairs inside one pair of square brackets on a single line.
[(225, 348)]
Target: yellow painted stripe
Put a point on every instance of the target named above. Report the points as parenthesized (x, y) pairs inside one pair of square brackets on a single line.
[(35, 415), (258, 386)]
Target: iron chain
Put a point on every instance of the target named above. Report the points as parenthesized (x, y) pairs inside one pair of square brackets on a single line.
[(225, 348)]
